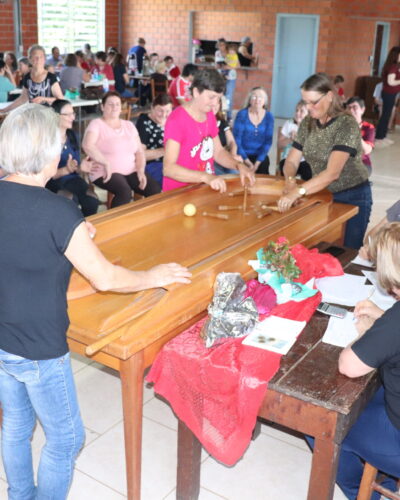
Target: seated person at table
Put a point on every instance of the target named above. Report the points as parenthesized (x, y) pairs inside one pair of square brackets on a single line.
[(172, 71), (39, 86), (115, 144), (23, 69), (356, 106), (55, 59), (375, 436), (253, 130), (338, 82), (160, 78), (11, 63), (179, 90), (392, 215), (5, 85), (71, 76), (102, 68), (286, 137), (151, 132), (82, 63), (67, 180), (191, 138), (225, 136), (120, 75)]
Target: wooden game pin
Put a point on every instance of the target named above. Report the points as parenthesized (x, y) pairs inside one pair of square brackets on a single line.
[(216, 216)]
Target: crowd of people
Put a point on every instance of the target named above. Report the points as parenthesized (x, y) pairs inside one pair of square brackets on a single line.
[(187, 136)]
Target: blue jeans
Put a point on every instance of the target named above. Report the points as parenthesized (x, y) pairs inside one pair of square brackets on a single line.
[(220, 170), (45, 390), (361, 196), (126, 93), (388, 101), (374, 439), (230, 95)]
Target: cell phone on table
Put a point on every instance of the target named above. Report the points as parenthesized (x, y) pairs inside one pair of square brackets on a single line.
[(335, 251), (330, 310)]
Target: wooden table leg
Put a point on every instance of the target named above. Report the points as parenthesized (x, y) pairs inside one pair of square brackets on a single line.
[(131, 372), (189, 463), (324, 468)]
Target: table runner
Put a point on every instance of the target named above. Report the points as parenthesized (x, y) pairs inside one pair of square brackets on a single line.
[(218, 391)]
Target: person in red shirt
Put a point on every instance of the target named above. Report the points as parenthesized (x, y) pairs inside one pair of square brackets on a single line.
[(179, 88), (390, 88), (338, 82), (172, 70), (356, 106), (103, 68)]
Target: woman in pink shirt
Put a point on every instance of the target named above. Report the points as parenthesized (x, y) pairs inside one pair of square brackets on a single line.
[(192, 142), (114, 144)]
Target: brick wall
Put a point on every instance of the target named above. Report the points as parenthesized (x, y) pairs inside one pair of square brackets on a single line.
[(344, 44), (6, 27)]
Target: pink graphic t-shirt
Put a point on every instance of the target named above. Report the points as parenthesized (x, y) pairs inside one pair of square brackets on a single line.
[(196, 143)]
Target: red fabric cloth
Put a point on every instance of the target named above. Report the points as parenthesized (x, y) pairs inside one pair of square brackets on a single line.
[(217, 392)]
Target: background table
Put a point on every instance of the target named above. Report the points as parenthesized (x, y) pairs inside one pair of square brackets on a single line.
[(308, 395)]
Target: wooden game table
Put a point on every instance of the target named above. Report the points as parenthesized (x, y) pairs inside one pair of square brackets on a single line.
[(126, 331)]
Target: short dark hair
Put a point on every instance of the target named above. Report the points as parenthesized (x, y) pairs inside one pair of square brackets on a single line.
[(168, 58), (71, 60), (356, 99), (338, 79), (2, 64), (189, 69), (101, 55), (79, 53), (54, 48), (161, 100), (209, 79), (111, 93), (58, 105)]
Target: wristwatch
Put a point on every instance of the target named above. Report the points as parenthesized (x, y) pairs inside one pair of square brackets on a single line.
[(302, 191)]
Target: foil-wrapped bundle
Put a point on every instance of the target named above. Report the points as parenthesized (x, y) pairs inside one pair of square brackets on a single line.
[(230, 313)]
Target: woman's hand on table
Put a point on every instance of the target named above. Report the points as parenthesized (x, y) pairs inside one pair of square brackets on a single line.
[(166, 274), (363, 324), (368, 308), (215, 182), (288, 200), (246, 175), (364, 252)]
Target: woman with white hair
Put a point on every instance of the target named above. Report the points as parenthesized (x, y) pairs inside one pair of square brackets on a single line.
[(43, 235), (253, 130), (39, 85)]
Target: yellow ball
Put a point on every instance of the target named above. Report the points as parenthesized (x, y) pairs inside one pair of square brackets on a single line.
[(189, 209)]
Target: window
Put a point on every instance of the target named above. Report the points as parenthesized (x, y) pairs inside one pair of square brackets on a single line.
[(69, 24)]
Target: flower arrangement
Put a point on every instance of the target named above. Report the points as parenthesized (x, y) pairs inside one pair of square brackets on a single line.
[(276, 256)]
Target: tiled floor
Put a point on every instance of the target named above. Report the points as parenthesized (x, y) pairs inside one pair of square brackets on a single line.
[(276, 465)]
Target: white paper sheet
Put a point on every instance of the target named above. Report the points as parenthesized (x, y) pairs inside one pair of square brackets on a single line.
[(344, 290), (275, 334), (362, 262), (340, 332)]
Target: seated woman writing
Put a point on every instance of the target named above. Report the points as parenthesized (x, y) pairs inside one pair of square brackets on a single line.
[(67, 178), (191, 138), (115, 144), (330, 141), (375, 437), (151, 132)]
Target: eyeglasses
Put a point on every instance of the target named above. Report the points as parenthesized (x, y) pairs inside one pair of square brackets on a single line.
[(68, 114), (314, 103), (258, 97)]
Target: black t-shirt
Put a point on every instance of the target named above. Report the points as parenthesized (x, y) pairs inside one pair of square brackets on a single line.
[(42, 89), (35, 229), (150, 133), (379, 347), (119, 71), (223, 126)]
